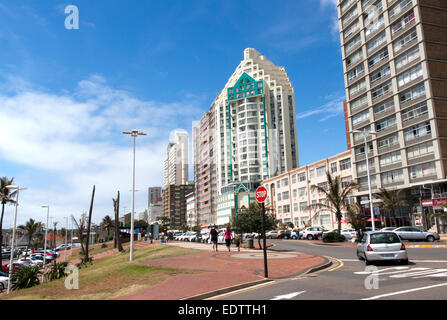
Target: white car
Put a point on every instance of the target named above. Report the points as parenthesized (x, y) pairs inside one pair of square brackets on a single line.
[(185, 236), (312, 233), (3, 282), (32, 260), (348, 233)]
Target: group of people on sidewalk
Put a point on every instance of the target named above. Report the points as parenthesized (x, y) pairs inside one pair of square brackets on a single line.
[(214, 233)]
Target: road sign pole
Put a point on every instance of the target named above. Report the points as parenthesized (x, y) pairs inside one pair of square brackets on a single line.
[(266, 273)]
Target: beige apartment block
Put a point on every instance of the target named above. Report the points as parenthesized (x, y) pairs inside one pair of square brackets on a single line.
[(291, 195), (395, 64)]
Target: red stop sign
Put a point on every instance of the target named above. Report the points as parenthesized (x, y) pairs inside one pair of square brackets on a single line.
[(261, 194)]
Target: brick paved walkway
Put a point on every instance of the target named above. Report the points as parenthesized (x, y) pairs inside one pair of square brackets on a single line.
[(219, 270)]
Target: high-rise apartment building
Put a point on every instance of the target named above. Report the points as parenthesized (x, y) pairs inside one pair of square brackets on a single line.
[(395, 64), (256, 134), (205, 169), (174, 202), (176, 161), (154, 195)]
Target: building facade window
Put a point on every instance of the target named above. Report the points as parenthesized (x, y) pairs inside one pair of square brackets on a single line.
[(423, 170), (345, 164), (414, 112), (394, 176), (390, 158), (420, 150), (409, 75), (417, 131), (321, 171)]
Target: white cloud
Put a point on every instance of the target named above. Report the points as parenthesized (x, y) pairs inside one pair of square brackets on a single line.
[(60, 145), (332, 108)]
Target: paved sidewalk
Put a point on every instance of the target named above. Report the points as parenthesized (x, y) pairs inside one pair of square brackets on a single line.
[(220, 270)]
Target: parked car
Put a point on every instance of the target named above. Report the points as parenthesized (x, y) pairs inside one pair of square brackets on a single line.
[(388, 229), (271, 234), (177, 234), (296, 234), (31, 261), (348, 233), (205, 236), (3, 281), (194, 237), (312, 233), (412, 233), (381, 246), (15, 265), (283, 234)]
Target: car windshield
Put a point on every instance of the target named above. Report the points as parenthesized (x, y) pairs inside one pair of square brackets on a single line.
[(387, 238)]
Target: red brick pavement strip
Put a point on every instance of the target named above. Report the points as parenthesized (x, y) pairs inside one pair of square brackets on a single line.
[(218, 270)]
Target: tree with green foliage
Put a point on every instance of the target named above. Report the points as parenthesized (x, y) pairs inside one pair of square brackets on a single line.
[(390, 200), (335, 195), (107, 224), (25, 277), (6, 197), (184, 227), (356, 218), (30, 228), (251, 220)]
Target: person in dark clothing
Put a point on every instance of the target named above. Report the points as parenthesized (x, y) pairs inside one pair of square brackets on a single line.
[(213, 237)]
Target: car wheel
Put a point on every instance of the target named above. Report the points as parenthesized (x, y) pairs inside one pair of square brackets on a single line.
[(2, 287), (359, 257), (310, 237), (294, 238), (367, 262), (430, 238), (320, 237)]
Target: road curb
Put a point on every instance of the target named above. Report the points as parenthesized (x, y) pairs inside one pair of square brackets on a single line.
[(327, 263), (210, 294), (426, 246), (321, 266)]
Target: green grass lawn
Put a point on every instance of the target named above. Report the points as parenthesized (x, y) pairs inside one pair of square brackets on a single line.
[(110, 277)]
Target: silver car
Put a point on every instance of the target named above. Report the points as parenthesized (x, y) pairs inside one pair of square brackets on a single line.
[(412, 233), (381, 246)]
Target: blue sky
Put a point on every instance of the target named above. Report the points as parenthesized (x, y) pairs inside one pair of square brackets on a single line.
[(66, 95)]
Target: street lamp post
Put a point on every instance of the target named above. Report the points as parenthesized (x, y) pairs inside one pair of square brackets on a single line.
[(66, 231), (371, 208), (45, 245), (71, 238), (11, 187), (134, 134)]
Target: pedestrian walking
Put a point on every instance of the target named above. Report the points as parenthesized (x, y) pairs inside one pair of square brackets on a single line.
[(237, 242), (228, 238), (213, 237)]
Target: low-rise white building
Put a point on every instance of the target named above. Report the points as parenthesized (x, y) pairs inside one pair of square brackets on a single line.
[(291, 196)]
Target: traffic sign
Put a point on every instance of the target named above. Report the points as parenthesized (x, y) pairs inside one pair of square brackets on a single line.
[(261, 194)]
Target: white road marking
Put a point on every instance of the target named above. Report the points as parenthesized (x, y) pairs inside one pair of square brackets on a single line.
[(381, 270), (242, 290), (404, 291), (444, 274), (418, 261), (288, 296), (420, 273)]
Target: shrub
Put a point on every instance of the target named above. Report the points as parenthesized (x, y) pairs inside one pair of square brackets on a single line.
[(57, 271), (25, 277), (334, 237)]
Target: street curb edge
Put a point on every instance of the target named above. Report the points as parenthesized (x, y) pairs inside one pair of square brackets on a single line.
[(210, 294)]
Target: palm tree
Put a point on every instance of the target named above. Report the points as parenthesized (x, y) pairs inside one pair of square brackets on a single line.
[(6, 196), (107, 224), (30, 229), (336, 196), (390, 201), (356, 218)]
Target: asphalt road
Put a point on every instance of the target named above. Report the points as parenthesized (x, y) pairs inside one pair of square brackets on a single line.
[(425, 277)]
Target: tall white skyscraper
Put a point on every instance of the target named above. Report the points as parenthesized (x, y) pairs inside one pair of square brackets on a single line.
[(256, 134), (176, 162)]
